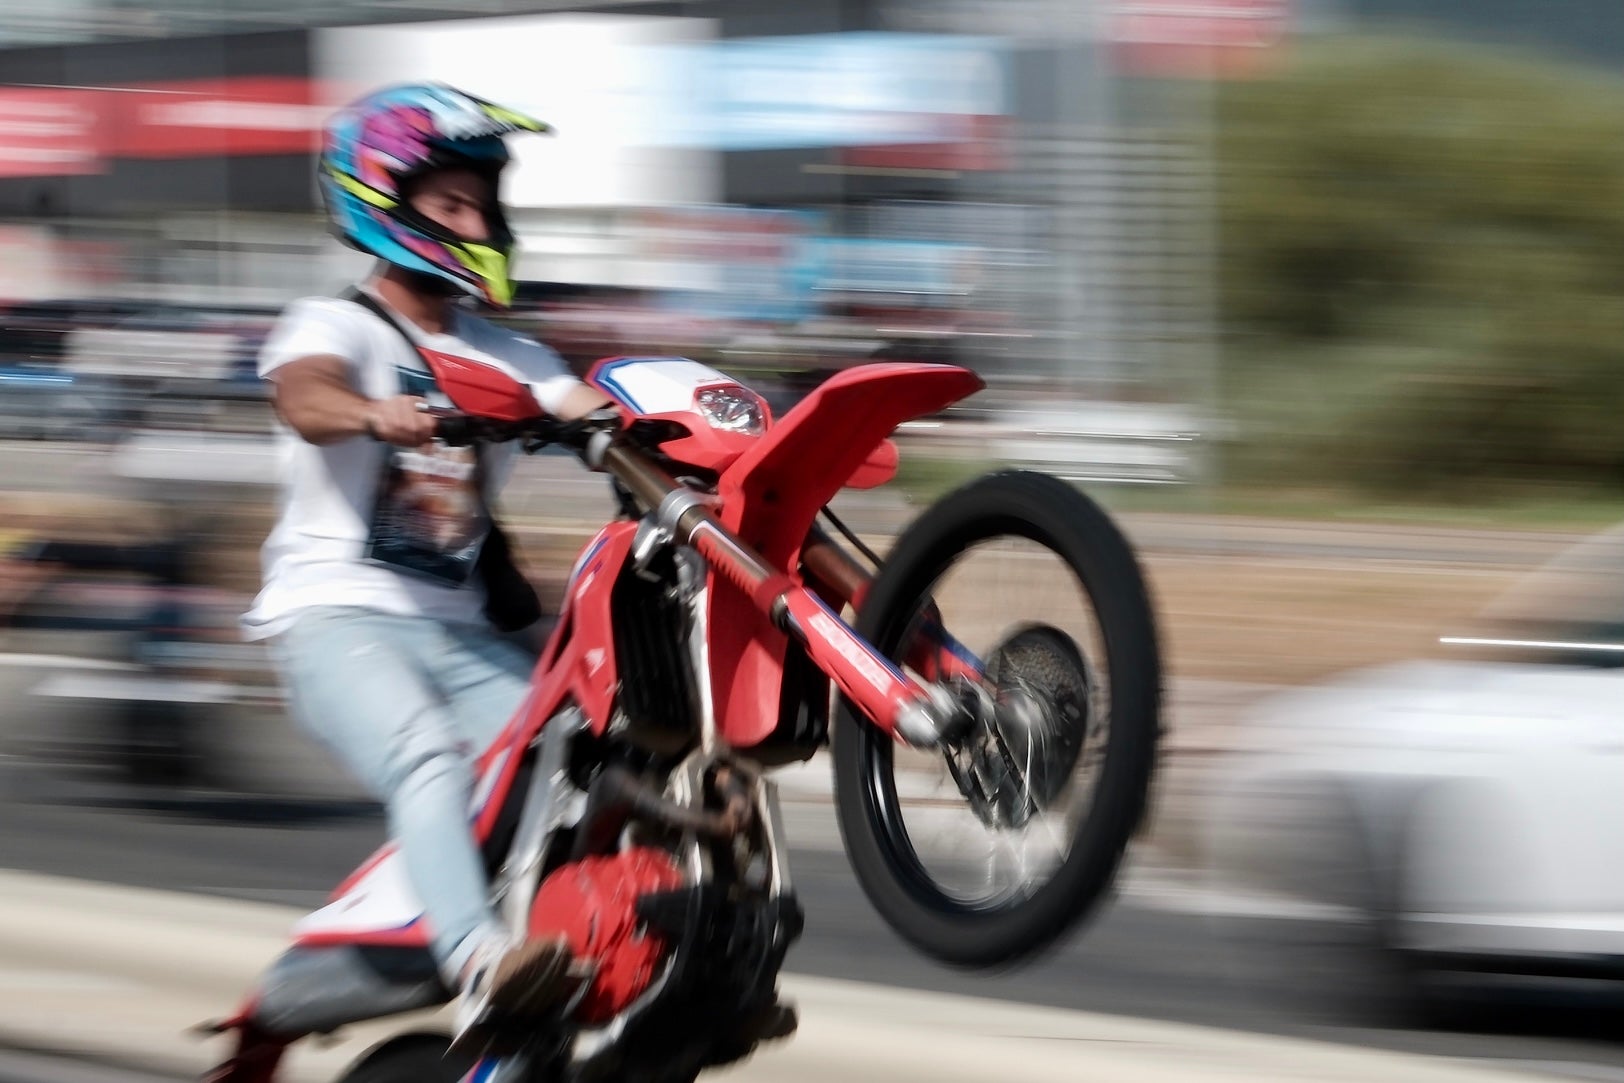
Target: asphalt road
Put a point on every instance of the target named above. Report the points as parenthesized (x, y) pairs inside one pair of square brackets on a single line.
[(1167, 949)]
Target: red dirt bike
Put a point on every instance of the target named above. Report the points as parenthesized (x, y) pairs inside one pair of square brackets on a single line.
[(996, 732)]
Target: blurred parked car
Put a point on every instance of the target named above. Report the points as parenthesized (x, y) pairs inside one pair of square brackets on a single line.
[(1467, 813), (36, 332), (40, 402), (127, 628), (175, 366)]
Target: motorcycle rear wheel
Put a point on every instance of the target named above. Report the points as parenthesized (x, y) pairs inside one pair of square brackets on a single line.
[(411, 1058), (1019, 523)]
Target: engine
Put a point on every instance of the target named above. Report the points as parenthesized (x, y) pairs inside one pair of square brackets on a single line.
[(593, 903)]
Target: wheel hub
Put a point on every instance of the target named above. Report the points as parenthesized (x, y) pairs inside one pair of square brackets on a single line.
[(1029, 733)]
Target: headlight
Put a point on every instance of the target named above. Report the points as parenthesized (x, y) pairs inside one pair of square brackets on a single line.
[(732, 409)]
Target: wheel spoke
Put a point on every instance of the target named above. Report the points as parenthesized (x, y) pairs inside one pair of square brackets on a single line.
[(973, 831)]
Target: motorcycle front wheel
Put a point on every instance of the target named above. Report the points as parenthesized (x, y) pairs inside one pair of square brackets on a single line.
[(988, 849)]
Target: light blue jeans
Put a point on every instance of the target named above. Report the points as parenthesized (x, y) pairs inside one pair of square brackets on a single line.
[(408, 704)]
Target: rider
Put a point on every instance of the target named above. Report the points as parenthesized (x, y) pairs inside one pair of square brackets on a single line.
[(372, 595)]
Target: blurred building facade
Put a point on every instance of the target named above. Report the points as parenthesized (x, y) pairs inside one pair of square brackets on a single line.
[(984, 183), (1022, 181)]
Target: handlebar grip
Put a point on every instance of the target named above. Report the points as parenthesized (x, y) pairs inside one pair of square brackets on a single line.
[(456, 430), (459, 430)]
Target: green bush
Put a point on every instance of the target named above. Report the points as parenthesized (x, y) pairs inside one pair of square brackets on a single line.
[(1423, 270)]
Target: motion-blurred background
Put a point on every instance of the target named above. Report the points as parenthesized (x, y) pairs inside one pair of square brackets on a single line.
[(1324, 298)]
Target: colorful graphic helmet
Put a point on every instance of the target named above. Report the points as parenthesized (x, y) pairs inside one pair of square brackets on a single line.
[(372, 148)]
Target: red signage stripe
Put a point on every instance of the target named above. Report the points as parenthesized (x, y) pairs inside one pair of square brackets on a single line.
[(50, 133), (219, 118), (54, 132)]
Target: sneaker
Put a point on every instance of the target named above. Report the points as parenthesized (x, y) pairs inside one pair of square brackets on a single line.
[(512, 984), (771, 1022), (778, 1020)]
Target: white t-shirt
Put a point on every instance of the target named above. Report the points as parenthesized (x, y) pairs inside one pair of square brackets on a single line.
[(318, 552)]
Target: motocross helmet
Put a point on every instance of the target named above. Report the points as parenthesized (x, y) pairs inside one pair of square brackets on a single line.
[(372, 150)]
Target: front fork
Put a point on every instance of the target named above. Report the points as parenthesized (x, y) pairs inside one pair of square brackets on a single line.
[(919, 714), (932, 652)]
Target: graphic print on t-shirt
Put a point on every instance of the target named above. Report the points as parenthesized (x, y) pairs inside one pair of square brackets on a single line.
[(429, 518)]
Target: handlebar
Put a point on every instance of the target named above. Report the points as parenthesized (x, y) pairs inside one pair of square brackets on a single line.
[(459, 430)]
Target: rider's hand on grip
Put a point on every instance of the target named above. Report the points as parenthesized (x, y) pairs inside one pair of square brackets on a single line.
[(401, 421), (456, 429)]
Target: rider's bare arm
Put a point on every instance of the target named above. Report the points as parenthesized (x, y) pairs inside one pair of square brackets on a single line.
[(581, 401), (316, 399)]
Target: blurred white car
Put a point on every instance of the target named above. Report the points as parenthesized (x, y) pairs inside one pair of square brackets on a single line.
[(1470, 813)]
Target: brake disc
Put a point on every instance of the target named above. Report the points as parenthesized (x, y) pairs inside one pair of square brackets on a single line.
[(1022, 752)]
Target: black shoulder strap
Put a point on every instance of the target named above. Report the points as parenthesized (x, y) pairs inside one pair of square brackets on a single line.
[(370, 303)]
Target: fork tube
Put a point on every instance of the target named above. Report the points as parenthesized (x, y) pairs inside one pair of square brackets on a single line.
[(933, 653), (699, 659), (833, 567)]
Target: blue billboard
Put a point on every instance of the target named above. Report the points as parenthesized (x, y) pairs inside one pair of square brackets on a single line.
[(831, 90)]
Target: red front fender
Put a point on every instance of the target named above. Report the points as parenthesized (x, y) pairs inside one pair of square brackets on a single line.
[(771, 494)]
